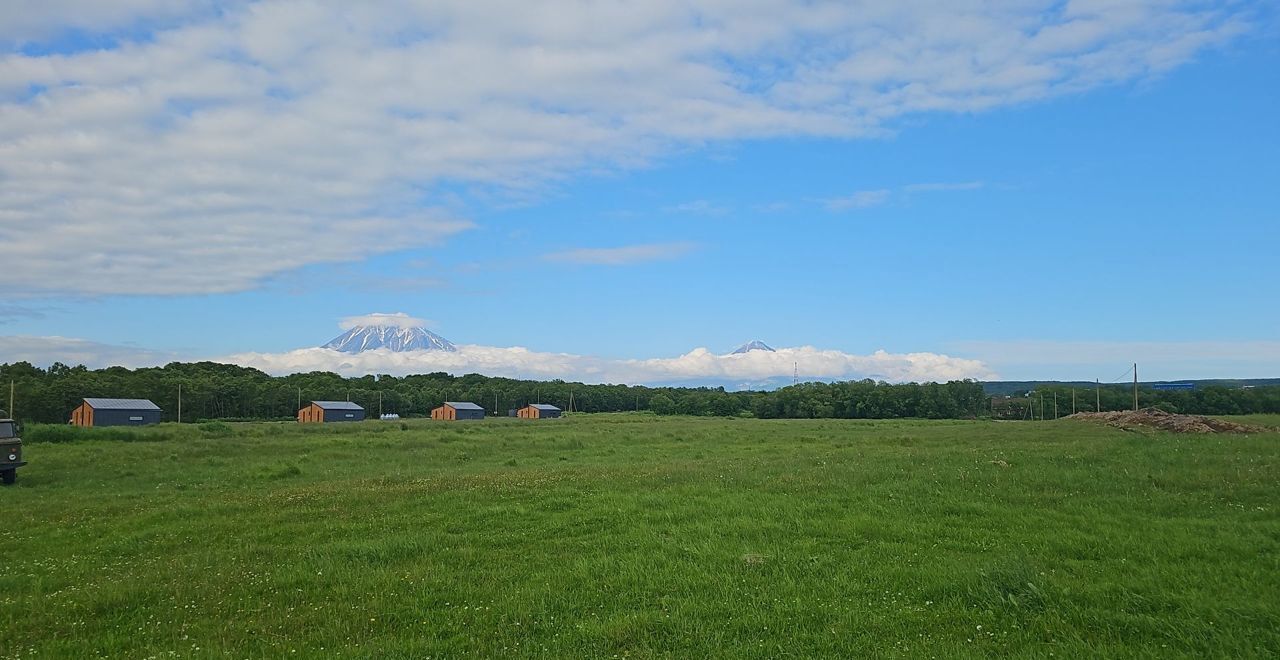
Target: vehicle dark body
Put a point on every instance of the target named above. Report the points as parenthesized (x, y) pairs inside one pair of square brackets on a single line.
[(10, 451)]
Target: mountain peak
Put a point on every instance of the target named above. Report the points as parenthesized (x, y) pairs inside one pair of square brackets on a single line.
[(753, 345), (370, 337)]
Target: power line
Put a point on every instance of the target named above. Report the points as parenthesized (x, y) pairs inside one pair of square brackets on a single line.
[(1122, 376)]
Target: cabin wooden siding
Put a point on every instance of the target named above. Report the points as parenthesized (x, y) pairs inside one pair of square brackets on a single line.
[(82, 415), (311, 414)]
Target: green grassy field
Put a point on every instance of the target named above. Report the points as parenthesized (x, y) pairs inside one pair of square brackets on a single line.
[(634, 536), (1261, 419)]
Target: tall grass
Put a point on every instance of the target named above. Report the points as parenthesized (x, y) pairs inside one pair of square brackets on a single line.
[(636, 536)]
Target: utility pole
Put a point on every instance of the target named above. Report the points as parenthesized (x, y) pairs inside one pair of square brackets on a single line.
[(1055, 404), (1135, 387), (12, 413), (495, 403), (1073, 401), (1097, 395), (299, 398), (1042, 406), (179, 403), (379, 404)]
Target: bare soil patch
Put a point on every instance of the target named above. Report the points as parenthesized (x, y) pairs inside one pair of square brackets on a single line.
[(1166, 421)]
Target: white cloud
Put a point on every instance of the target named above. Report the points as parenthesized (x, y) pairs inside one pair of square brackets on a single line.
[(868, 198), (697, 207), (698, 365), (622, 256), (395, 320), (236, 141), (1029, 360), (44, 351), (860, 200), (943, 187), (10, 313), (28, 21)]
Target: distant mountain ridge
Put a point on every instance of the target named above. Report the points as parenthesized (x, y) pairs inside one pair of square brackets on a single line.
[(394, 338)]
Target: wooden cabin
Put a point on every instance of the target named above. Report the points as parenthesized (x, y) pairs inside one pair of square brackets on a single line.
[(538, 411), (115, 412), (456, 410), (319, 412)]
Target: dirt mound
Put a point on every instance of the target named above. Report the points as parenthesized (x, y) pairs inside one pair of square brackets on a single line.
[(1166, 421)]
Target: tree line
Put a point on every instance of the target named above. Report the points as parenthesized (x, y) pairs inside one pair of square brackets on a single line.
[(1050, 401), (211, 390), (215, 391)]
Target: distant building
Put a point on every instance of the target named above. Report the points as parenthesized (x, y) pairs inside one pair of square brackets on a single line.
[(538, 411), (331, 411), (455, 410), (116, 412)]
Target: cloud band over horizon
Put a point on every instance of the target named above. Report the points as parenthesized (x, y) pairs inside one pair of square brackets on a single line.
[(699, 366), (985, 360)]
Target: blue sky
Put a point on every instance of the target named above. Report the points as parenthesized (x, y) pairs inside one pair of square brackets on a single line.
[(1095, 186)]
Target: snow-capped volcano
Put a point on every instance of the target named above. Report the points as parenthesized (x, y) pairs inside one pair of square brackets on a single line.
[(753, 345), (369, 337)]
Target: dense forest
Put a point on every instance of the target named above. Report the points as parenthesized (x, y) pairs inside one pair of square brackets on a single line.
[(222, 391), (1002, 388), (1050, 401)]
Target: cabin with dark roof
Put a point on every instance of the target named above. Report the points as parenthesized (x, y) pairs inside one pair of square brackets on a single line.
[(456, 410), (319, 412), (538, 411), (115, 412)]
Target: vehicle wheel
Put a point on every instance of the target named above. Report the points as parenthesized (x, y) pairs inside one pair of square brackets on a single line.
[(9, 476)]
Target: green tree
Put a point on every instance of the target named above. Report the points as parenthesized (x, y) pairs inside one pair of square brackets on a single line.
[(662, 405)]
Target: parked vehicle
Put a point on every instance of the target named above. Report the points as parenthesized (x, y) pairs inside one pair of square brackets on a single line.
[(10, 449)]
